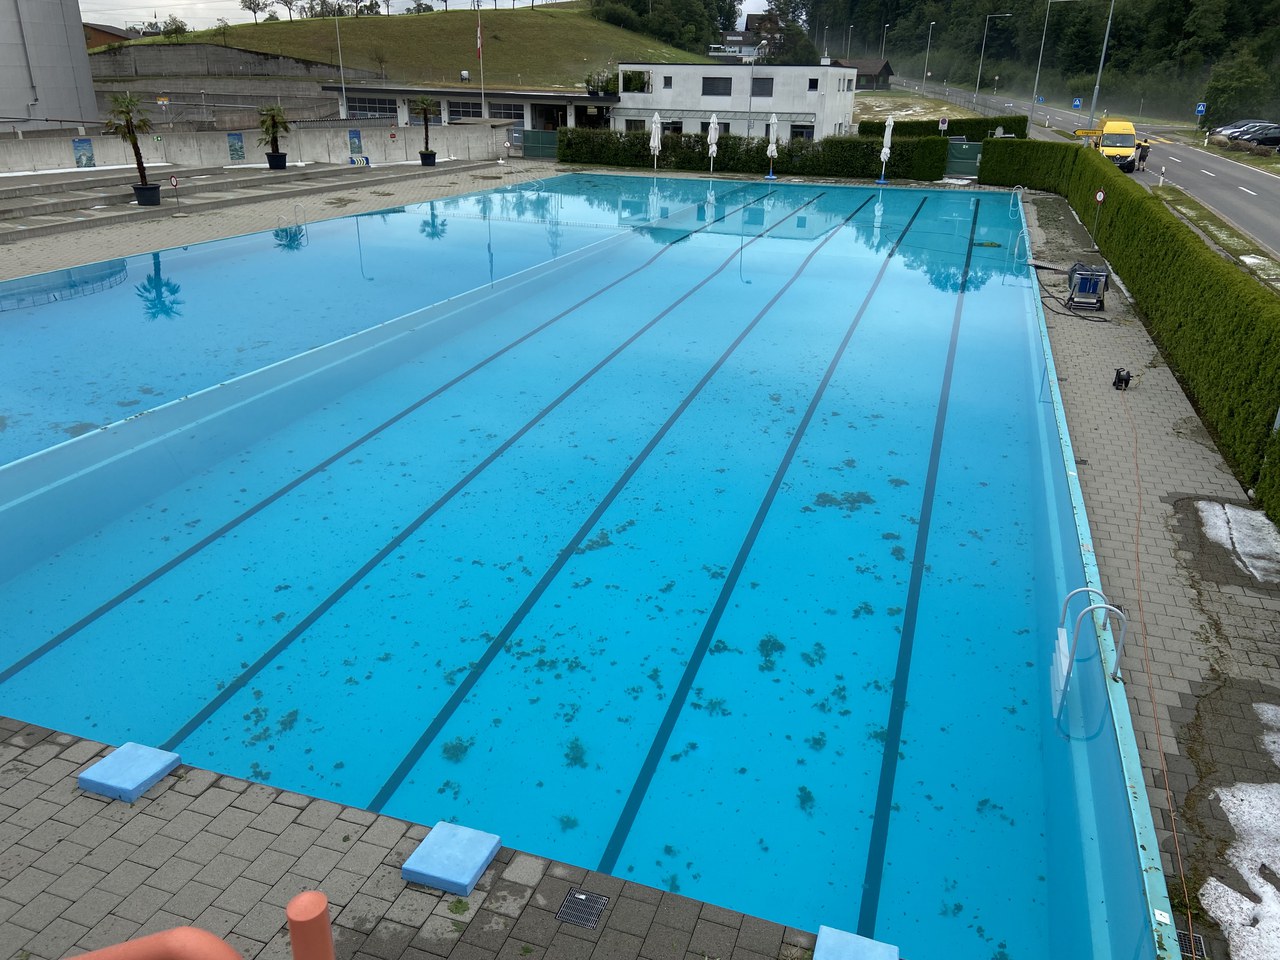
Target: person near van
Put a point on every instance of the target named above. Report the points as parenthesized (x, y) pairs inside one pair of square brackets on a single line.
[(1143, 149)]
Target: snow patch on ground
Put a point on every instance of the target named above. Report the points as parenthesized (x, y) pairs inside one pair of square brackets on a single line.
[(1250, 538), (1252, 923)]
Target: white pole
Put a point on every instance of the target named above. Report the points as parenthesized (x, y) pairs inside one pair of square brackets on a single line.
[(342, 107), (480, 54)]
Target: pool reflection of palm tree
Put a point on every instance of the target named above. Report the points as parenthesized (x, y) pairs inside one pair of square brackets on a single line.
[(159, 296), (289, 238), (433, 228)]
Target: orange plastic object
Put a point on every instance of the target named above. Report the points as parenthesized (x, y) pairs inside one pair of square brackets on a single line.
[(180, 943), (310, 935)]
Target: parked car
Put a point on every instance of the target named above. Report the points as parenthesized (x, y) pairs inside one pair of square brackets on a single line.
[(1239, 132), (1227, 129), (1267, 135)]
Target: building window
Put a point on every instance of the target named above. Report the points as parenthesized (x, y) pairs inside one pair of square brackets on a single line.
[(717, 86), (813, 83), (362, 107), (802, 131), (635, 126), (460, 109), (706, 126), (666, 83), (506, 111), (762, 86)]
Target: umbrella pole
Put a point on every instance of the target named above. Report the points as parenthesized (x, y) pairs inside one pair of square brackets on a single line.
[(769, 175)]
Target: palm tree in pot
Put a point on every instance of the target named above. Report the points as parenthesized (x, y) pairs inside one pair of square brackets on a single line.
[(125, 119), (427, 107), (273, 125)]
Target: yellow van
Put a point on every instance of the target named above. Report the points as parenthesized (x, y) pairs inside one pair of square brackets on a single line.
[(1118, 142)]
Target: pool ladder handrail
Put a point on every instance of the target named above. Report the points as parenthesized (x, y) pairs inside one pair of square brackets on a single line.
[(1015, 202), (299, 221), (1064, 656)]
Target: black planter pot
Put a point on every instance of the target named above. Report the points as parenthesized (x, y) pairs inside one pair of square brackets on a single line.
[(276, 161), (147, 194), (428, 159)]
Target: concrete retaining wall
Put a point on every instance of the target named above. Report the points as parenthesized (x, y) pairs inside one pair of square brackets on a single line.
[(208, 60), (380, 144)]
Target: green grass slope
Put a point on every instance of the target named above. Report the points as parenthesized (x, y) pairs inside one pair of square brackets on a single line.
[(551, 47)]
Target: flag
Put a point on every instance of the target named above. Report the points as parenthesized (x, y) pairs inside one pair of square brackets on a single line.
[(479, 44)]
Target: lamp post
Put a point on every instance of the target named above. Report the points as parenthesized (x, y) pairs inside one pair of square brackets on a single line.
[(984, 52), (824, 42), (883, 33), (924, 83), (848, 39), (1035, 87), (1098, 83), (342, 77), (751, 87)]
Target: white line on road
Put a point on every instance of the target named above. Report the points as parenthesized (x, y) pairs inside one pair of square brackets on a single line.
[(1248, 191), (1207, 173), (1173, 158)]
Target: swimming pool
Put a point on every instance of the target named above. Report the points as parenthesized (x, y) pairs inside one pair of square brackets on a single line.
[(709, 534)]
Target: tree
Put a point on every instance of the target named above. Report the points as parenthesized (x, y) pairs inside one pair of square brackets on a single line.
[(427, 107), (256, 7), (288, 5), (1237, 87), (419, 6), (271, 17), (125, 120), (173, 27)]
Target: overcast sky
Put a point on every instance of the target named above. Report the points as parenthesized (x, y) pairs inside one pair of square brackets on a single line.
[(202, 14)]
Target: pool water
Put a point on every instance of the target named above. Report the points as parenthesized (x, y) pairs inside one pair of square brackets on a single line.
[(704, 533)]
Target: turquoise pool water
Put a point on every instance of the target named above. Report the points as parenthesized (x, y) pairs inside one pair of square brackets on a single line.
[(710, 534)]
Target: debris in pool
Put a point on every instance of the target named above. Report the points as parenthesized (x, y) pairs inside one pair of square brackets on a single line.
[(768, 646), (456, 749), (567, 822), (576, 754), (805, 798)]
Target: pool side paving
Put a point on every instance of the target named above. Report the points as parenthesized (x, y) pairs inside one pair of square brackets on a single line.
[(79, 871)]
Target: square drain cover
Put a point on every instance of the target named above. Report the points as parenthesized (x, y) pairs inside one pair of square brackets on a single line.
[(1185, 943), (583, 909)]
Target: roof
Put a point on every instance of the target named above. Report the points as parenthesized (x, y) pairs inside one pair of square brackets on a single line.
[(120, 32), (866, 65)]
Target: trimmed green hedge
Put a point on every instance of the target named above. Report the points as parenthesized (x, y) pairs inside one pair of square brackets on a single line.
[(924, 158), (973, 129), (1218, 327)]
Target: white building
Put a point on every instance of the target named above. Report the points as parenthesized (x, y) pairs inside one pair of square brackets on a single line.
[(810, 102), (44, 66)]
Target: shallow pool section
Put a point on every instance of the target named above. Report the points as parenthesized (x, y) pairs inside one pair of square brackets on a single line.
[(709, 534)]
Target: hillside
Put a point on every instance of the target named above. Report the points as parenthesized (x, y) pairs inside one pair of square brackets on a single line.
[(551, 47)]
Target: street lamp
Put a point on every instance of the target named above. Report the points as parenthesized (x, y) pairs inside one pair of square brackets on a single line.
[(342, 77), (981, 55), (883, 34), (824, 42), (996, 89), (1097, 83), (925, 82), (751, 88), (848, 39), (1035, 88)]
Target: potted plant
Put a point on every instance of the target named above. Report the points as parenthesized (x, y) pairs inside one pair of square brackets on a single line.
[(273, 125), (427, 107), (124, 118)]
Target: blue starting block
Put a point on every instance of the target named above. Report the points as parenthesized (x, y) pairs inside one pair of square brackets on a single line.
[(128, 772)]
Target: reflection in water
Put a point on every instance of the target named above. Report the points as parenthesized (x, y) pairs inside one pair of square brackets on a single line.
[(434, 227), (61, 284), (159, 295), (290, 238)]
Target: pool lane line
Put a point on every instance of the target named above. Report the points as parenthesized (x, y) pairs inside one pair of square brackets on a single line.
[(874, 875), (675, 706), (479, 666), (234, 687), (138, 586)]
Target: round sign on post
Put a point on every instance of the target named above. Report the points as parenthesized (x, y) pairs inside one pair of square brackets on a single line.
[(173, 181), (1100, 196), (942, 123)]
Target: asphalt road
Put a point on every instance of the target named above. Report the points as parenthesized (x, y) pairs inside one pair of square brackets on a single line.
[(1244, 196)]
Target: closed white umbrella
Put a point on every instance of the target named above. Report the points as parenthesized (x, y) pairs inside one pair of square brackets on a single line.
[(713, 137), (884, 151), (655, 139), (771, 151)]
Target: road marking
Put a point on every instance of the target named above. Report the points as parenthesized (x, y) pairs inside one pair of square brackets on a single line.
[(1175, 159), (1248, 191), (1207, 173)]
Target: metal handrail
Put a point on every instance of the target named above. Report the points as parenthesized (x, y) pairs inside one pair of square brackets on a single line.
[(1062, 617)]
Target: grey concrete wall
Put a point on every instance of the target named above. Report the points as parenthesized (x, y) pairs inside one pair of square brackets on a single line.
[(211, 149), (44, 68), (208, 60)]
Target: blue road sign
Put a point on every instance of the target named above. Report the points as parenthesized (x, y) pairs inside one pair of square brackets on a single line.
[(1200, 109), (1040, 99), (1076, 104)]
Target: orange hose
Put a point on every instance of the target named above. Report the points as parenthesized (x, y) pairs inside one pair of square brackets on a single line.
[(310, 935)]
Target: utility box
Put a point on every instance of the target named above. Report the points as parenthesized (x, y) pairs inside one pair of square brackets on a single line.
[(1088, 286)]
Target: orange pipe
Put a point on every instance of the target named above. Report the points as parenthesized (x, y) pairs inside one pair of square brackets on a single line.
[(310, 935), (180, 943)]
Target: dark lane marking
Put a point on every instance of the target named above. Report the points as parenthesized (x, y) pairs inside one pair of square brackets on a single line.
[(661, 739), (325, 605), (140, 585), (495, 646), (898, 700)]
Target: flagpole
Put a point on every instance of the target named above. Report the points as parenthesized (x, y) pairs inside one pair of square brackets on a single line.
[(480, 54)]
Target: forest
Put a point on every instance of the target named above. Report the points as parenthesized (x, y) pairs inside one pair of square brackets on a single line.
[(1163, 56)]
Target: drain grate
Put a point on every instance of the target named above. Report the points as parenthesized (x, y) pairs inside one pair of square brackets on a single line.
[(1185, 944), (583, 909)]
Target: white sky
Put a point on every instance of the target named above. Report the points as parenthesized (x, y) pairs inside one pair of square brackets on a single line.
[(202, 14)]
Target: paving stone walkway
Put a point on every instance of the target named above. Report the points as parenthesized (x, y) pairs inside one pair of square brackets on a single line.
[(78, 872)]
